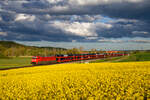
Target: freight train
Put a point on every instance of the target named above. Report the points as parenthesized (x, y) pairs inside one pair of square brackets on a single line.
[(39, 60)]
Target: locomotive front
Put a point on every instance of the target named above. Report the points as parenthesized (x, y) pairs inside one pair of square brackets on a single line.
[(34, 60)]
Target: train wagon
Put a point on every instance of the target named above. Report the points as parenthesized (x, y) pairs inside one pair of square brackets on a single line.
[(38, 60)]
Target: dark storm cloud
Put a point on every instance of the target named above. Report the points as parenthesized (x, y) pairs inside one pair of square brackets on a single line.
[(67, 20), (126, 10), (134, 9)]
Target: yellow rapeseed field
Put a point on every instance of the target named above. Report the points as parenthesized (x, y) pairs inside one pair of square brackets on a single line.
[(103, 81)]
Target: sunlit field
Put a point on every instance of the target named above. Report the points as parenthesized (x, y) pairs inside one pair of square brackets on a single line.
[(103, 81)]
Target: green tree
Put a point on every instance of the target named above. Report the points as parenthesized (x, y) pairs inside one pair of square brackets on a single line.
[(2, 49)]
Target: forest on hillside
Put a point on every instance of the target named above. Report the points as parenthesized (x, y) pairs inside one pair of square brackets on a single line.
[(10, 49)]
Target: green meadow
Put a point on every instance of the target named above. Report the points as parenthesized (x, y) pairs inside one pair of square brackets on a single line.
[(15, 62)]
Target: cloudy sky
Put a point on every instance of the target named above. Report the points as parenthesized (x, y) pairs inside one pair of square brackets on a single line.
[(75, 20)]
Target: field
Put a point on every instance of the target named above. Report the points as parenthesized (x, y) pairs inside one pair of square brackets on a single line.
[(14, 62), (103, 81), (140, 56)]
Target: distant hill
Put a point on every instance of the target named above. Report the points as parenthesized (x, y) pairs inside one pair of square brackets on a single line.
[(9, 44), (10, 48)]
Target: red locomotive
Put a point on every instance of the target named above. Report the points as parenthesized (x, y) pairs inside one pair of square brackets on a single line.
[(38, 60)]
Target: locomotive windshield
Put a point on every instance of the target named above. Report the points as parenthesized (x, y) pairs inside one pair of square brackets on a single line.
[(34, 57)]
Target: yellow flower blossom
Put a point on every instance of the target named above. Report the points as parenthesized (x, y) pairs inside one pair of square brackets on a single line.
[(99, 81)]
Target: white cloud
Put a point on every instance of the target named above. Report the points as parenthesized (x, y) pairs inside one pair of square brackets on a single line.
[(54, 1), (81, 29), (143, 41), (92, 38), (21, 17), (111, 40), (3, 33), (124, 21), (98, 2), (125, 39), (135, 1), (21, 1), (88, 18), (1, 9), (102, 25), (76, 28), (0, 19), (48, 16), (139, 32), (84, 29), (74, 40), (59, 8)]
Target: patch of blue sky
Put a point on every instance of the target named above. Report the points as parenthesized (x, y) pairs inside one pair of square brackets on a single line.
[(72, 18), (105, 19)]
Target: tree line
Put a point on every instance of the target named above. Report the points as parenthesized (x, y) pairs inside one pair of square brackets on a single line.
[(37, 51), (12, 49)]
